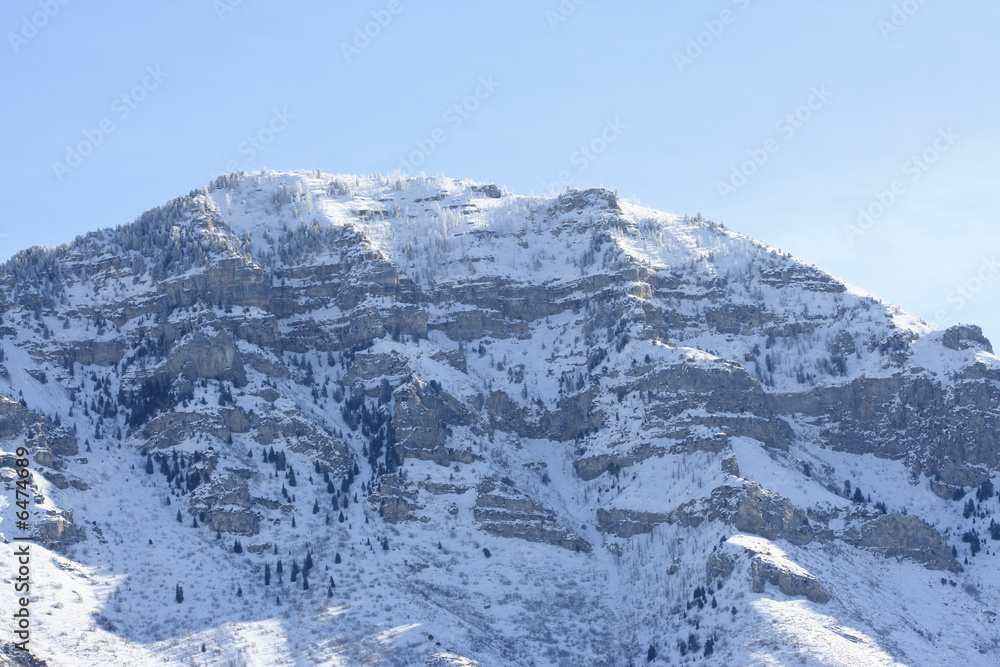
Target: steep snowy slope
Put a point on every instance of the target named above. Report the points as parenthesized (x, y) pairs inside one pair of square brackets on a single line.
[(480, 428)]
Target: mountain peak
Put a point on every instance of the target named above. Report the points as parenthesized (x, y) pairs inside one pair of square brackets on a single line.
[(579, 426)]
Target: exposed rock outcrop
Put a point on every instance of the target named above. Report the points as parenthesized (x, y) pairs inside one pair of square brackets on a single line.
[(422, 418), (904, 536), (749, 508), (393, 501), (626, 523), (56, 530), (213, 357), (591, 467), (965, 337), (763, 564), (504, 511), (792, 582)]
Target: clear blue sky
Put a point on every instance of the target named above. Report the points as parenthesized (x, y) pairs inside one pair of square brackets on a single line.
[(829, 102)]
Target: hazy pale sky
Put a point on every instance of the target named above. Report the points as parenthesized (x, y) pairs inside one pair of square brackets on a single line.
[(859, 135)]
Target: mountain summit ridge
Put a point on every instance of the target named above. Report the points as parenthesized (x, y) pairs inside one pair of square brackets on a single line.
[(506, 429)]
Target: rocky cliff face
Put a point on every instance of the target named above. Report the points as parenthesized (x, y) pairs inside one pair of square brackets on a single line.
[(402, 372)]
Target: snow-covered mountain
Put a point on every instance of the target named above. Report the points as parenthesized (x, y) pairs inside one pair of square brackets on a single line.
[(313, 419)]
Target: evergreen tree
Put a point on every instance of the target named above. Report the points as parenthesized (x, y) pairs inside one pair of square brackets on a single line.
[(651, 653), (970, 509), (973, 539), (237, 547), (267, 574), (858, 496), (295, 569), (279, 567), (180, 519), (336, 559), (308, 564), (149, 464), (179, 593), (985, 492), (239, 591)]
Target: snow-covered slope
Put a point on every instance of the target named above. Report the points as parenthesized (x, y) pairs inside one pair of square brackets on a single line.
[(504, 430)]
